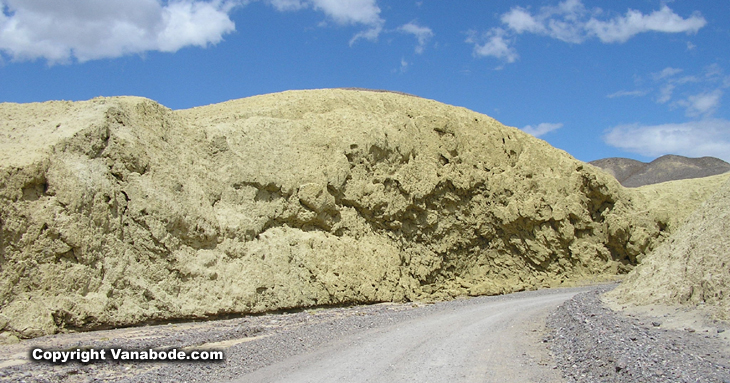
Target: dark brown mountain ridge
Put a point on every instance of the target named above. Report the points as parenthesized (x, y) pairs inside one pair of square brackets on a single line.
[(633, 173)]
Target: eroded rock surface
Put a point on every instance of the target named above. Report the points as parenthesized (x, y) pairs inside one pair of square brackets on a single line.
[(119, 211), (691, 268)]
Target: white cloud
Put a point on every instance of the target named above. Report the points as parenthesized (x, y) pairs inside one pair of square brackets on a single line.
[(519, 20), (692, 139), (561, 22), (348, 12), (371, 34), (61, 30), (621, 29), (493, 43), (571, 22), (342, 12), (541, 129), (702, 104), (89, 29), (700, 95), (422, 34)]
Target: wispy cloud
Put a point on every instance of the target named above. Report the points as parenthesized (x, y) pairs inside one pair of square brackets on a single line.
[(541, 129), (570, 21), (342, 12), (288, 5), (61, 30), (628, 93), (666, 72), (422, 34), (403, 66), (710, 137), (665, 93), (703, 104), (699, 94)]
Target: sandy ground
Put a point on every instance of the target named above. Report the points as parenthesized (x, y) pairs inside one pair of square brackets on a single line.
[(692, 319)]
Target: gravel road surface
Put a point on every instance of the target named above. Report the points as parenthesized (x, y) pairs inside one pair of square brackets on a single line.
[(476, 340)]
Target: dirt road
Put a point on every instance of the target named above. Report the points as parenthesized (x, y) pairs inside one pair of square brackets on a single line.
[(490, 339), (482, 339)]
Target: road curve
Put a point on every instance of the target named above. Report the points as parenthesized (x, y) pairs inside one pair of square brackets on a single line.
[(484, 340)]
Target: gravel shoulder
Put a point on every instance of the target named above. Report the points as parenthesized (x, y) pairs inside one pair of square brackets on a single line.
[(592, 343)]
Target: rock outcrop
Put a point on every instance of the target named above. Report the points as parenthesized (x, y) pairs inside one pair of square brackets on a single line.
[(690, 268), (119, 211)]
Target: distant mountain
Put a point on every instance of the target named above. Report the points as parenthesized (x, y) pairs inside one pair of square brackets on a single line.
[(633, 173)]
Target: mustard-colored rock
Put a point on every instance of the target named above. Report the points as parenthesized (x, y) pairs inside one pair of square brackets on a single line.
[(119, 211)]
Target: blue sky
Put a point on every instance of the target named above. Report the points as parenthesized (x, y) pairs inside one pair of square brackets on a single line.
[(597, 79)]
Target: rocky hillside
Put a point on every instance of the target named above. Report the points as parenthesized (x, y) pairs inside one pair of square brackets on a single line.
[(632, 173), (119, 211)]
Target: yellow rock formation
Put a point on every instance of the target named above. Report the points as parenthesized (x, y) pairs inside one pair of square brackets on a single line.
[(119, 211)]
